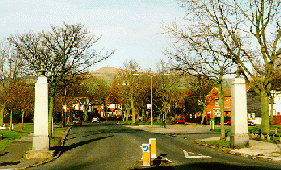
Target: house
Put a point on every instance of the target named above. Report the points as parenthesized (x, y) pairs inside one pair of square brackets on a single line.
[(276, 107), (254, 107), (113, 110), (213, 108)]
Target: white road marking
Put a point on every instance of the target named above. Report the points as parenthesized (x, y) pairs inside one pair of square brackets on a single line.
[(192, 155)]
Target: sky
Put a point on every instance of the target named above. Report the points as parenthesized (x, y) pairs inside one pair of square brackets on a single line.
[(133, 28)]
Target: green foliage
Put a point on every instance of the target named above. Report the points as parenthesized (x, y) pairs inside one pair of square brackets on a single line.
[(218, 143), (58, 132), (12, 135), (4, 144), (150, 124), (253, 128), (9, 136), (219, 131)]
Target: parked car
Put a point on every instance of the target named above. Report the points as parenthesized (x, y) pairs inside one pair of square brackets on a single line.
[(250, 123), (77, 121), (95, 119), (228, 122), (180, 120)]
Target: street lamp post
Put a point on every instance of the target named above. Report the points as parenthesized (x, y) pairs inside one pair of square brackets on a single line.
[(151, 103)]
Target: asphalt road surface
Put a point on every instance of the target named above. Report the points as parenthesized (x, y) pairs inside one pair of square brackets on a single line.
[(107, 145)]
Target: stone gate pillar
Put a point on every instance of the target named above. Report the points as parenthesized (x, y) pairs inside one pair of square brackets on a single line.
[(239, 117), (41, 139)]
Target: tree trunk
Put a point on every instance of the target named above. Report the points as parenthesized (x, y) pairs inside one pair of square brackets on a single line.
[(271, 110), (221, 104), (86, 112), (138, 115), (2, 114), (11, 119), (22, 116), (64, 110), (143, 115), (63, 117), (105, 111), (127, 112), (204, 113), (51, 110), (264, 113), (133, 111), (165, 115)]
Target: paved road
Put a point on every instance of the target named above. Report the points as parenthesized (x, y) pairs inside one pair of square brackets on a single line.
[(109, 146)]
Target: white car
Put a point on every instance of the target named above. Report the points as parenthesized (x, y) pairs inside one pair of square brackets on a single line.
[(95, 119)]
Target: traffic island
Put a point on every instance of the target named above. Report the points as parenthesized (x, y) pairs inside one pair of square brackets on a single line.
[(31, 154), (149, 158), (159, 161)]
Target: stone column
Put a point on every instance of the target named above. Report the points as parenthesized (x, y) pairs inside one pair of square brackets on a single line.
[(41, 139), (239, 117)]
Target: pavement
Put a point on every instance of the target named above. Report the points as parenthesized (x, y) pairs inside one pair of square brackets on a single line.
[(13, 156), (256, 150)]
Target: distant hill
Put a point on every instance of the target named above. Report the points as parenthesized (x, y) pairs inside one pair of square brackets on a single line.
[(106, 73)]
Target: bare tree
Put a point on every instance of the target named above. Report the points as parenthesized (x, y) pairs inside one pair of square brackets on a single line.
[(128, 88), (248, 33), (10, 75), (65, 51), (167, 87), (98, 90), (196, 54)]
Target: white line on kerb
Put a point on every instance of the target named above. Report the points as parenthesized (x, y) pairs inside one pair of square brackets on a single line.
[(187, 155)]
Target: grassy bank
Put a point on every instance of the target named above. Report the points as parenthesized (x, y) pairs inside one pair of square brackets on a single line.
[(19, 132), (226, 144)]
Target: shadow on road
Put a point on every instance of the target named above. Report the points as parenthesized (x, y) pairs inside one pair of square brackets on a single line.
[(206, 166), (62, 149), (108, 131)]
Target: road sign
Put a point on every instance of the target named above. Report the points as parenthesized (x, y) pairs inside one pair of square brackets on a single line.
[(145, 148), (146, 154)]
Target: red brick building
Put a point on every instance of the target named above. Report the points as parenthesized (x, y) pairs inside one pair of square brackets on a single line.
[(213, 108)]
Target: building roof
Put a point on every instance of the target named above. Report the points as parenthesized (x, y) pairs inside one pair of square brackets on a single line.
[(226, 92)]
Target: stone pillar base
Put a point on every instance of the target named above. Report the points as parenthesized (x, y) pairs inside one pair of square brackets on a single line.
[(41, 143), (239, 140), (39, 154)]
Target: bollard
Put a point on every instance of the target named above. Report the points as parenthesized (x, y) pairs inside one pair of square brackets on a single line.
[(253, 135), (212, 124), (146, 155), (268, 137), (152, 142), (262, 136), (276, 130)]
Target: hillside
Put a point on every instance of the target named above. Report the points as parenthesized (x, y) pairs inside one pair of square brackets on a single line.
[(106, 73)]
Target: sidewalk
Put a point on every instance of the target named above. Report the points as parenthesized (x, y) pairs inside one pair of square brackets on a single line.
[(12, 157), (256, 149)]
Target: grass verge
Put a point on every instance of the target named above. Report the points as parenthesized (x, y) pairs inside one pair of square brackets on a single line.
[(218, 143), (19, 132)]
